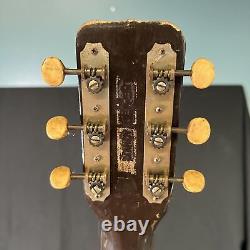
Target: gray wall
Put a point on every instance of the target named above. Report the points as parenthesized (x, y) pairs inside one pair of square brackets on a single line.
[(33, 29), (34, 216)]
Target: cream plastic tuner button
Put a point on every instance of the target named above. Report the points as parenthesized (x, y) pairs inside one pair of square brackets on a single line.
[(203, 73), (57, 127), (61, 176), (53, 71), (193, 181), (198, 131)]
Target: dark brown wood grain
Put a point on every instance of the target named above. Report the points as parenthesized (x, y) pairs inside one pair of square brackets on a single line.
[(128, 44)]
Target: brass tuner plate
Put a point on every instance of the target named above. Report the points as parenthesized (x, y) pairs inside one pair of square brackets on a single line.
[(158, 117), (95, 107)]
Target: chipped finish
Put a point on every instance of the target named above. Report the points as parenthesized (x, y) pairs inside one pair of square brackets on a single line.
[(99, 60), (126, 150), (126, 119), (128, 22)]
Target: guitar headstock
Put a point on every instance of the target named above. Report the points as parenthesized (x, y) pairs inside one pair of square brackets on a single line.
[(130, 77)]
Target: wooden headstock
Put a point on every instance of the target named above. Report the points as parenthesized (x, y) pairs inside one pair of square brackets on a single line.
[(130, 77)]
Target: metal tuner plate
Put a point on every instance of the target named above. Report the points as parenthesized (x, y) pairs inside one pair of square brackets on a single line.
[(95, 108), (160, 86)]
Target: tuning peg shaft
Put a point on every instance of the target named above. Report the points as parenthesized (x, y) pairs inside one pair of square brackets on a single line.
[(54, 71), (198, 131), (193, 181), (57, 127), (61, 176), (202, 74)]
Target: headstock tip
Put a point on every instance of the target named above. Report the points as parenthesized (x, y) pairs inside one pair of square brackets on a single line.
[(203, 73), (57, 127), (193, 181), (198, 131), (53, 71), (60, 177)]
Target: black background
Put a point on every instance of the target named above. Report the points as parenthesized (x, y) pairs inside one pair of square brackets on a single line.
[(33, 216)]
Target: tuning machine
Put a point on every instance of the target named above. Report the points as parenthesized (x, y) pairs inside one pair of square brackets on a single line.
[(54, 71), (61, 177), (197, 132), (93, 74), (202, 75), (162, 75), (57, 128), (193, 181)]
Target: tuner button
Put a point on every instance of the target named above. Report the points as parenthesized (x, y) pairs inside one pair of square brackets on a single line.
[(193, 181), (202, 73), (53, 71), (198, 131), (60, 177), (57, 127)]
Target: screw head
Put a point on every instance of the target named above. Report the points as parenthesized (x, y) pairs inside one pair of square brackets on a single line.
[(94, 51), (97, 188), (94, 85), (96, 140), (96, 108), (157, 159), (158, 109), (156, 190), (161, 86), (158, 141), (97, 158)]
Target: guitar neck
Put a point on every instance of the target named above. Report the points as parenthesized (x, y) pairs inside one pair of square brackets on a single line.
[(126, 240)]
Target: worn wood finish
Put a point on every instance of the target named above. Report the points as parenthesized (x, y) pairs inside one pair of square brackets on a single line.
[(128, 44)]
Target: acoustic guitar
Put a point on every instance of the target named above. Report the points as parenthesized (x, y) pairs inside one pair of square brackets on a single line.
[(130, 77)]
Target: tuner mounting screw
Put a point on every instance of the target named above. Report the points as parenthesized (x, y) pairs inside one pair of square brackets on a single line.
[(94, 85), (97, 158), (157, 159), (158, 109), (94, 51), (96, 108)]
